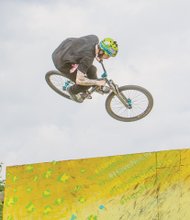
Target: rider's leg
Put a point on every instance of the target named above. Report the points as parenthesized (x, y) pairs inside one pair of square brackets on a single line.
[(71, 76), (65, 70)]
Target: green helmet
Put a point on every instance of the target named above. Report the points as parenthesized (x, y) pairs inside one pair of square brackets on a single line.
[(109, 46)]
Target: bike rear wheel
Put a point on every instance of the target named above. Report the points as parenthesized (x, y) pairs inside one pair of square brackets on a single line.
[(56, 81), (140, 99)]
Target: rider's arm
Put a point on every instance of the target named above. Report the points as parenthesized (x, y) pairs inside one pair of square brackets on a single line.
[(81, 79)]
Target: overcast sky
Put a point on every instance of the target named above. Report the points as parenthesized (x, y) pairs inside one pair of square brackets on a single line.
[(38, 125)]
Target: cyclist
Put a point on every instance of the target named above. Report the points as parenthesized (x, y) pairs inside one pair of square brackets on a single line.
[(74, 58)]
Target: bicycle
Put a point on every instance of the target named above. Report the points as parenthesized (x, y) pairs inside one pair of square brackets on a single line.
[(126, 103)]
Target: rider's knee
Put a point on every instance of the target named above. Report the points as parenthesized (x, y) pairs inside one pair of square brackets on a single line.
[(93, 69), (92, 72)]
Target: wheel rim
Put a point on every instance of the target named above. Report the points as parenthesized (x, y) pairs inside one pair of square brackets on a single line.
[(137, 101), (58, 82)]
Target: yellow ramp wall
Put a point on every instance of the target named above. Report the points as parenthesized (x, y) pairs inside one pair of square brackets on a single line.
[(147, 186)]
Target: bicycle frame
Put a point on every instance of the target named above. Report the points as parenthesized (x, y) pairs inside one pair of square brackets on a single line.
[(114, 87)]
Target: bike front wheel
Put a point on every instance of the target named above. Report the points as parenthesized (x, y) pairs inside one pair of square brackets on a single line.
[(139, 99)]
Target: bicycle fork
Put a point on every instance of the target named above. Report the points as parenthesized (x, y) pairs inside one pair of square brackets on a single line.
[(127, 102)]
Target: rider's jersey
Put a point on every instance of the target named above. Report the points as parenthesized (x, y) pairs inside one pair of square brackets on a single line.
[(76, 51)]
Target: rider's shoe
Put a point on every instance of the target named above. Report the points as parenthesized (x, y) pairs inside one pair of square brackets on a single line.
[(75, 97), (103, 90)]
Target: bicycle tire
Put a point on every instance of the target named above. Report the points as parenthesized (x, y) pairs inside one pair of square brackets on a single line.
[(49, 81), (122, 89)]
